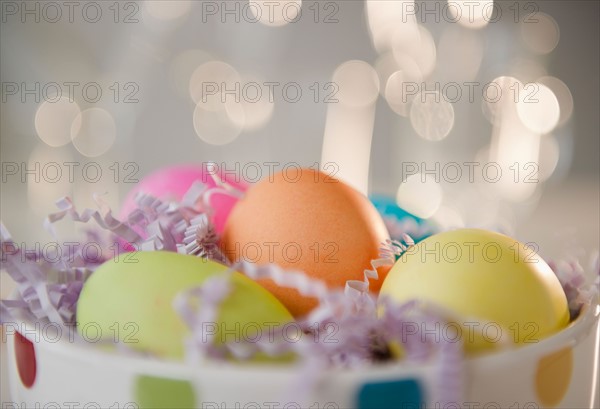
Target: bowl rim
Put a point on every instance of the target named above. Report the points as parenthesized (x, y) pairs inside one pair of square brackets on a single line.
[(85, 351)]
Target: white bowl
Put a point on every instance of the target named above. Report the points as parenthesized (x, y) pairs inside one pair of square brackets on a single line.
[(73, 375)]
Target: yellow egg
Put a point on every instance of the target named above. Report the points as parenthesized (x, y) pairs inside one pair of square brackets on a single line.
[(494, 287)]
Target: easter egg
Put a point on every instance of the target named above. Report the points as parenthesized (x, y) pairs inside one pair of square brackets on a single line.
[(171, 184), (492, 286), (305, 220), (388, 207), (399, 221), (131, 297)]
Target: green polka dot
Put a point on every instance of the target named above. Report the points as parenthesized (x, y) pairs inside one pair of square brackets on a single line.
[(153, 392), (405, 394)]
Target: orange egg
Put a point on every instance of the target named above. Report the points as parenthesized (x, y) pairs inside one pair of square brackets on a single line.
[(306, 220)]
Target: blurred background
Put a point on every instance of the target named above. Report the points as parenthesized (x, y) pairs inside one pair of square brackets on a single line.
[(470, 113)]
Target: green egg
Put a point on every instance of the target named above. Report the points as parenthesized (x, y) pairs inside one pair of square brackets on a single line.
[(130, 299)]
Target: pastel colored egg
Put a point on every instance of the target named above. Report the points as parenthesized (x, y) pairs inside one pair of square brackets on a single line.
[(406, 222), (133, 295), (171, 183), (305, 220), (388, 207), (493, 287)]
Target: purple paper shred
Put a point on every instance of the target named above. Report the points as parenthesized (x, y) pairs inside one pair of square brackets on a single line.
[(201, 240), (343, 331), (48, 288), (348, 329), (572, 277), (397, 229), (360, 336), (197, 306)]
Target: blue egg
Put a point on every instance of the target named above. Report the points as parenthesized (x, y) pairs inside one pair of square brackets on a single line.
[(405, 222), (387, 207)]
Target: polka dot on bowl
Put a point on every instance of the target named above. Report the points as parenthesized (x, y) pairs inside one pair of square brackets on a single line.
[(25, 358), (154, 392), (391, 394), (553, 377)]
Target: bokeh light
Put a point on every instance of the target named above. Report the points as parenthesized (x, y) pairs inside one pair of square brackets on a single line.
[(415, 42), (400, 87), (93, 132), (408, 53), (53, 121), (211, 83), (471, 14), (499, 92), (349, 123), (563, 95), (347, 144), (538, 108), (358, 83), (512, 173), (549, 157), (420, 195), (431, 116), (540, 32), (460, 53), (215, 126), (447, 217), (385, 17), (385, 66), (254, 108), (275, 13)]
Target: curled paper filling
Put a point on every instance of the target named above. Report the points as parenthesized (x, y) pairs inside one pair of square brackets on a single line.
[(348, 329)]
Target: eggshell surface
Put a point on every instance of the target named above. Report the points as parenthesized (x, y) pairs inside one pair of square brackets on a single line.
[(306, 220), (412, 225), (132, 296), (388, 207), (172, 182), (485, 277)]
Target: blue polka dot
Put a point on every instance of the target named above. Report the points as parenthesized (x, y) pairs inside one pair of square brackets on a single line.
[(404, 394)]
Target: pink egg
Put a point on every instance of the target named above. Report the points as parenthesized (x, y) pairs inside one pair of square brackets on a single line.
[(171, 183)]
